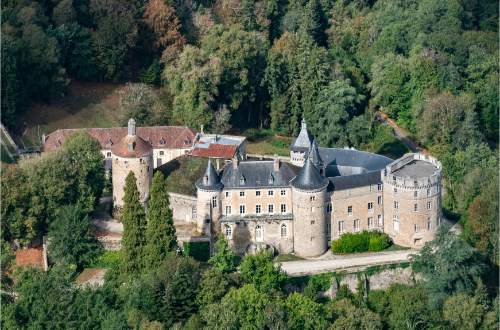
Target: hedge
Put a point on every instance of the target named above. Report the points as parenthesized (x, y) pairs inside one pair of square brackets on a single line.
[(361, 242), (198, 250)]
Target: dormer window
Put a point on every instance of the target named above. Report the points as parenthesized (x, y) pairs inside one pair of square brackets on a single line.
[(110, 142), (130, 146), (162, 141), (149, 141), (205, 179), (271, 179), (242, 180)]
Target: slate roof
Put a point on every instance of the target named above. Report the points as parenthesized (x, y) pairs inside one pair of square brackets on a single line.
[(314, 155), (363, 160), (172, 137), (309, 178), (257, 174), (210, 180), (416, 169), (304, 140), (353, 181)]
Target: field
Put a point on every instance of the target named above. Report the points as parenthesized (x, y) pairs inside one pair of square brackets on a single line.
[(86, 105)]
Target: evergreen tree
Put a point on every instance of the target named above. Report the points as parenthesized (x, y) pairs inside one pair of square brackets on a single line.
[(134, 225), (160, 232), (224, 258)]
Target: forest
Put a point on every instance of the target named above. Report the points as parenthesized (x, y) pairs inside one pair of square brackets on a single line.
[(231, 65)]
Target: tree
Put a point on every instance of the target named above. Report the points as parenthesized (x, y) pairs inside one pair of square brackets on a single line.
[(304, 313), (223, 260), (260, 271), (193, 80), (162, 20), (348, 316), (449, 265), (71, 238), (134, 226), (160, 231), (141, 102), (213, 286), (462, 311)]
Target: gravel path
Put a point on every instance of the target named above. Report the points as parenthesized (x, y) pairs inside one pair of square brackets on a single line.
[(318, 266)]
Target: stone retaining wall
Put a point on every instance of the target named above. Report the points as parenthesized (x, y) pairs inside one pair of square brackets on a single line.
[(183, 207)]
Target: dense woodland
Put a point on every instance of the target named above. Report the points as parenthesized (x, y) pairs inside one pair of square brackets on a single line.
[(431, 65)]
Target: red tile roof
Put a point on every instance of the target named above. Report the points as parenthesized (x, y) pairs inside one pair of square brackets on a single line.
[(216, 151), (173, 137), (139, 147), (29, 257)]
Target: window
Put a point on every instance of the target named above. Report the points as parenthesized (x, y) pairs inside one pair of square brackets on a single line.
[(283, 208), (162, 153), (108, 154), (356, 225), (329, 208), (370, 222), (270, 208), (312, 198), (229, 231), (227, 193), (415, 194), (283, 230), (370, 206), (214, 201), (242, 194), (283, 193), (270, 193), (257, 193), (428, 192), (429, 224), (242, 209), (379, 200), (380, 220), (242, 180), (341, 227), (395, 223), (396, 205), (415, 207), (393, 178), (429, 205), (379, 187), (416, 228), (257, 209), (259, 233), (349, 210), (228, 209), (395, 190)]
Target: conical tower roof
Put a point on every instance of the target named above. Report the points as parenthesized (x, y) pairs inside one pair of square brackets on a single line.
[(309, 178), (314, 155), (303, 141), (210, 180)]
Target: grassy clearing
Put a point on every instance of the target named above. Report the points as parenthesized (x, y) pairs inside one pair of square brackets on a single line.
[(182, 174), (287, 257), (108, 259), (265, 142), (86, 105)]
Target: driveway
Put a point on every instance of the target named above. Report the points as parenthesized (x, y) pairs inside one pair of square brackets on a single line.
[(342, 262)]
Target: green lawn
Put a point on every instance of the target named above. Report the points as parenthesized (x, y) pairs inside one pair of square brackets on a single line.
[(86, 105), (182, 173), (265, 142), (108, 259), (287, 257)]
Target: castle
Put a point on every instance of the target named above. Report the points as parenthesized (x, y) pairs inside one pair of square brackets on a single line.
[(299, 207), (296, 206)]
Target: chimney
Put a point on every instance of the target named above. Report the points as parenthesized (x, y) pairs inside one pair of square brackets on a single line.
[(44, 138), (276, 165), (131, 127), (235, 162), (201, 129)]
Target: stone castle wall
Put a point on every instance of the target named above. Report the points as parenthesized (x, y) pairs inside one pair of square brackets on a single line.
[(142, 168), (183, 207)]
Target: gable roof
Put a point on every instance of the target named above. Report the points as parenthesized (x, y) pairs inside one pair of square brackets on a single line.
[(171, 137)]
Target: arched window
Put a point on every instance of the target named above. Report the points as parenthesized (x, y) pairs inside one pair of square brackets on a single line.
[(229, 231), (259, 233), (284, 230)]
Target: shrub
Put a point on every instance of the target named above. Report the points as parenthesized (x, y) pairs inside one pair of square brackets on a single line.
[(361, 242)]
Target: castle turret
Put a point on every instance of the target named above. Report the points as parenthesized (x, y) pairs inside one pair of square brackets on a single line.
[(208, 204), (315, 158), (131, 154), (309, 212), (412, 199), (300, 146)]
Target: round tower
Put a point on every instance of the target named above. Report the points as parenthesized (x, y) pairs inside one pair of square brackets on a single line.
[(309, 211), (131, 154), (208, 203), (412, 199)]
